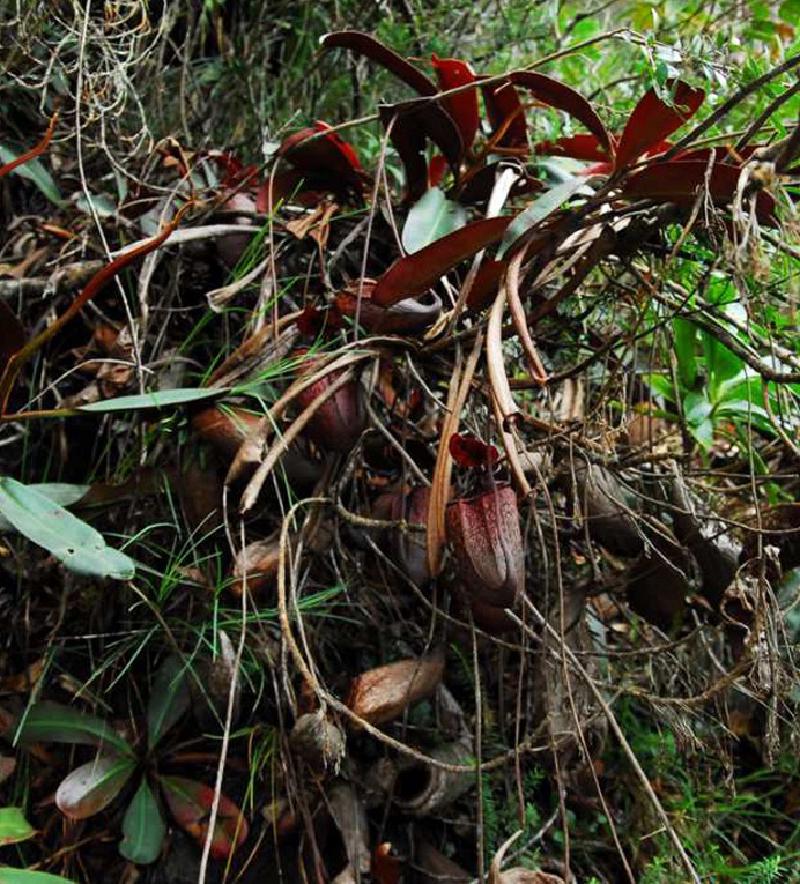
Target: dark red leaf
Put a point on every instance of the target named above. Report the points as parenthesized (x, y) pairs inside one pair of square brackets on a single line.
[(414, 122), (579, 147), (471, 453), (504, 108), (463, 108), (653, 120), (368, 46), (328, 158), (234, 171), (484, 286), (409, 316), (564, 98), (678, 181), (416, 273), (190, 804), (313, 320), (436, 169), (385, 866)]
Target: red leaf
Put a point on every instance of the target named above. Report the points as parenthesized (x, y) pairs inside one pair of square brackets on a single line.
[(368, 46), (484, 286), (190, 803), (415, 273), (385, 866), (564, 98), (436, 169), (579, 147), (503, 105), (469, 452), (653, 120), (313, 320), (463, 108), (414, 122), (329, 158), (677, 182)]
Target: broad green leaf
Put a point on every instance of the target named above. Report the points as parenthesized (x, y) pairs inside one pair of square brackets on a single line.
[(35, 172), (49, 722), (143, 827), (538, 210), (13, 826), (685, 336), (169, 699), (661, 385), (158, 399), (430, 218), (697, 410), (24, 876), (79, 546), (93, 786), (61, 493)]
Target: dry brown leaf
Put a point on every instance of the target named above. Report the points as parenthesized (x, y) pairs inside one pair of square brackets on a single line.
[(381, 695)]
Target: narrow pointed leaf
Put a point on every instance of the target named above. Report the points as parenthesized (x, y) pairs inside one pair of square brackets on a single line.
[(578, 147), (327, 156), (555, 94), (190, 803), (463, 108), (430, 218), (157, 399), (505, 111), (14, 827), (416, 273), (414, 122), (35, 171), (48, 722), (169, 699), (143, 827), (93, 786), (79, 546), (538, 210), (369, 47), (678, 181), (653, 120)]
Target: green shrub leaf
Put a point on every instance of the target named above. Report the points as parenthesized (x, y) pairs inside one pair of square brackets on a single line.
[(49, 722), (79, 546), (13, 826), (143, 827)]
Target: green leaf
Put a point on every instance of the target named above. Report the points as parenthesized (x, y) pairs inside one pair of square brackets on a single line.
[(35, 172), (430, 218), (661, 385), (685, 337), (169, 699), (13, 826), (60, 492), (49, 722), (697, 410), (24, 876), (538, 210), (143, 827), (93, 786), (79, 546), (158, 399)]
